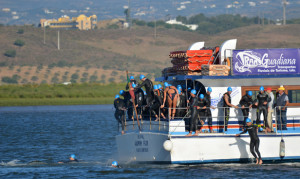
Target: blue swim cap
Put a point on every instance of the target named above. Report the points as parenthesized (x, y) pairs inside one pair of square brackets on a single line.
[(122, 92), (73, 156), (250, 93), (159, 86), (209, 89), (189, 88), (260, 129), (131, 78), (133, 85), (114, 163), (248, 120), (261, 88), (229, 89), (142, 76), (117, 96), (193, 92), (155, 87), (179, 91), (144, 91), (178, 86), (166, 84), (201, 96)]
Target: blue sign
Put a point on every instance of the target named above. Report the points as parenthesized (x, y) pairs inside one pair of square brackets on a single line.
[(266, 61)]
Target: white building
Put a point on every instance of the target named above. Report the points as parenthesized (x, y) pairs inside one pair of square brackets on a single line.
[(190, 26)]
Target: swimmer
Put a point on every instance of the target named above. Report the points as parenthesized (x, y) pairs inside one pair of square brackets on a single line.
[(72, 159)]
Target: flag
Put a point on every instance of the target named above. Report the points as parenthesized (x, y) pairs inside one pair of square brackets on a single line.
[(128, 80)]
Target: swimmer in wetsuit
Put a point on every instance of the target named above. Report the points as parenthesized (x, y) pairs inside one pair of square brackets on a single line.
[(173, 95), (72, 159), (254, 140)]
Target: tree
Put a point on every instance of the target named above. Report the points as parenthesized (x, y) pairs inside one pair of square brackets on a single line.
[(10, 80), (34, 78), (54, 79), (74, 76), (19, 43), (20, 31), (10, 53), (111, 80), (93, 78)]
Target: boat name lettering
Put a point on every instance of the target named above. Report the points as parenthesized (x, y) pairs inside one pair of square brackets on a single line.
[(141, 143), (141, 149), (140, 136)]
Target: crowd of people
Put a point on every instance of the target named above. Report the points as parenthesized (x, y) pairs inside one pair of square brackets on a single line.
[(169, 101)]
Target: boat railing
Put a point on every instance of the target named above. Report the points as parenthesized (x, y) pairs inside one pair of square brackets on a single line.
[(149, 122)]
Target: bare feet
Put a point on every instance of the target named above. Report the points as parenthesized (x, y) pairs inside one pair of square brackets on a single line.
[(189, 134), (260, 162), (257, 161), (196, 133), (123, 132)]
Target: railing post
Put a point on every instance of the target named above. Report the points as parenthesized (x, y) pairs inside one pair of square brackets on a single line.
[(150, 119), (159, 119), (224, 120), (125, 123)]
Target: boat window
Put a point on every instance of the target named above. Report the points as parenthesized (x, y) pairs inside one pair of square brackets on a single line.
[(294, 96)]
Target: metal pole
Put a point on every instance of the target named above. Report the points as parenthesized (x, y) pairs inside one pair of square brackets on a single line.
[(58, 43), (224, 120), (159, 119), (284, 12), (44, 35)]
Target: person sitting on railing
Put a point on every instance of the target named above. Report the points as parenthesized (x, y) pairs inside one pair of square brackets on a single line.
[(227, 104), (172, 93), (139, 100), (282, 101), (246, 103), (262, 107), (194, 113), (254, 140), (202, 106), (156, 104), (208, 111), (128, 103), (120, 111)]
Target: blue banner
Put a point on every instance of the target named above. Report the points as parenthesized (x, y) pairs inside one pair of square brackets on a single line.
[(266, 61)]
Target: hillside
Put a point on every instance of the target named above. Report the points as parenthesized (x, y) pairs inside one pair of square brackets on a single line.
[(105, 51)]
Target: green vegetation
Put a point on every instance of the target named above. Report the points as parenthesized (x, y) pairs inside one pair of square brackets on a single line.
[(10, 53), (20, 31), (58, 94), (19, 43)]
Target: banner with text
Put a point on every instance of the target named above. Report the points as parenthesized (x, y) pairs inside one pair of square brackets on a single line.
[(266, 61)]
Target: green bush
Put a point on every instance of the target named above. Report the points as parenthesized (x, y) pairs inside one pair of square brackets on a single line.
[(9, 80), (20, 31), (10, 53), (19, 43), (113, 26)]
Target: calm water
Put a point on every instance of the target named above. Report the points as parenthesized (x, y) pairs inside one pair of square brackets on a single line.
[(49, 134)]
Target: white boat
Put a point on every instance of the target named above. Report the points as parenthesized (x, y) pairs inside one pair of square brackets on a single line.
[(165, 141)]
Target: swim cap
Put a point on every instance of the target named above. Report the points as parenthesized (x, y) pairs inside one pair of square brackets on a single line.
[(122, 92), (73, 156), (250, 93), (114, 163), (159, 86), (201, 96), (248, 120), (209, 89), (229, 89), (166, 84), (117, 96), (131, 78), (193, 92), (142, 76), (133, 85), (261, 88), (189, 88), (155, 87), (179, 86)]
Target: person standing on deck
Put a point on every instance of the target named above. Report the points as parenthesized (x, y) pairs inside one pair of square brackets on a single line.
[(246, 103), (149, 89), (270, 109), (254, 140), (139, 100), (262, 107), (128, 103), (120, 111), (194, 113), (227, 104), (171, 95), (282, 102), (202, 106), (155, 108), (208, 111)]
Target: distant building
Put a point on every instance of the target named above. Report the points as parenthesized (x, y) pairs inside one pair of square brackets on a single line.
[(6, 9), (190, 26), (81, 22)]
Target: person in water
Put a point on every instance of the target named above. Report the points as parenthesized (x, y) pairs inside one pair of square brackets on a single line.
[(115, 164), (72, 159), (254, 140)]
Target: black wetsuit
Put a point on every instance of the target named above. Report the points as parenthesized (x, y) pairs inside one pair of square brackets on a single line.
[(182, 104), (128, 104), (226, 109), (69, 161), (119, 113), (208, 111), (139, 100), (194, 114), (156, 104), (254, 140), (202, 112), (149, 90), (246, 101), (262, 108)]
